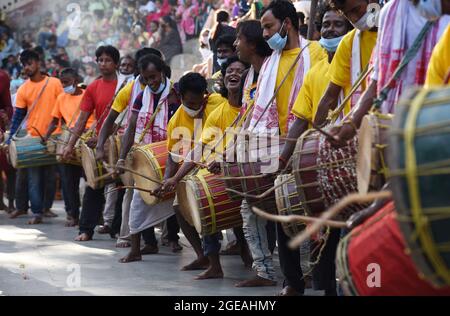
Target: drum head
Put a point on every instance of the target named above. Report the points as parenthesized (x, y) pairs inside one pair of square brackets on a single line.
[(183, 202), (279, 193), (113, 151), (364, 156), (192, 202), (89, 165), (13, 154), (145, 163)]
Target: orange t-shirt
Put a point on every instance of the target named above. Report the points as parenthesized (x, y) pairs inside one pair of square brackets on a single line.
[(68, 107), (40, 116)]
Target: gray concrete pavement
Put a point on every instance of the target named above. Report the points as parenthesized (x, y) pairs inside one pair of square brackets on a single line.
[(45, 260)]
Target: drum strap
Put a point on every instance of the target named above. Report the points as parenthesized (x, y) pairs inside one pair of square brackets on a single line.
[(210, 202), (33, 106), (150, 122), (409, 56)]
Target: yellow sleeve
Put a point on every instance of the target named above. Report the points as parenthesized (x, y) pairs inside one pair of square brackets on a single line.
[(316, 52), (211, 127), (123, 98), (339, 72), (170, 126), (439, 64), (303, 106), (214, 101), (56, 113)]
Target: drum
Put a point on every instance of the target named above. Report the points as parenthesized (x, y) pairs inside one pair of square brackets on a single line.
[(126, 177), (27, 152), (288, 203), (93, 169), (208, 204), (371, 159), (419, 162), (150, 160), (376, 250), (63, 140), (257, 183), (324, 174)]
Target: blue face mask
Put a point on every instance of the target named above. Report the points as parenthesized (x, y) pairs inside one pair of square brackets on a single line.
[(331, 44), (161, 88), (70, 89), (430, 9), (276, 42)]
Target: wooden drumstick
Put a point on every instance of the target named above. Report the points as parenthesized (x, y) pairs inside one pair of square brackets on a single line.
[(296, 218), (262, 195), (129, 187), (259, 176), (332, 212), (105, 176), (202, 165), (134, 172)]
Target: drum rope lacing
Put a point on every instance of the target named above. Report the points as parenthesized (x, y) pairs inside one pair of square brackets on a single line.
[(422, 222)]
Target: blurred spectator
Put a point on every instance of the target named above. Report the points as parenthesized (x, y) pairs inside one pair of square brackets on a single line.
[(90, 72), (185, 15), (221, 28), (12, 66), (170, 44), (147, 6), (16, 83)]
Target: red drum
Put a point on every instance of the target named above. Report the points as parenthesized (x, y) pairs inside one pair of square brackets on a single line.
[(324, 174), (378, 245), (208, 205), (254, 185)]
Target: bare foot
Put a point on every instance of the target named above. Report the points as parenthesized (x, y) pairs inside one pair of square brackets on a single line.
[(49, 213), (199, 264), (123, 244), (289, 291), (103, 230), (149, 250), (256, 282), (83, 237), (72, 222), (35, 221), (211, 273), (175, 246), (16, 214), (131, 257)]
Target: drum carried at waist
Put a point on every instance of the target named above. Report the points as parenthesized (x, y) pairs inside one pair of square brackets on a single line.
[(206, 205), (377, 251), (28, 152), (419, 162), (150, 160), (113, 154), (289, 203), (62, 142), (324, 174), (97, 175), (371, 161)]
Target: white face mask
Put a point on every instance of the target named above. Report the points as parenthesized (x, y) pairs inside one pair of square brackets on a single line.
[(362, 24), (190, 112), (221, 61), (70, 89)]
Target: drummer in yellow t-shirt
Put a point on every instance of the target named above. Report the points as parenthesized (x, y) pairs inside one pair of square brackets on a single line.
[(439, 67), (218, 121)]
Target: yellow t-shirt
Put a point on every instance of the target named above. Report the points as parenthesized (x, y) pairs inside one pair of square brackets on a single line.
[(217, 123), (40, 116), (123, 97), (314, 86), (439, 65), (340, 68), (181, 125), (68, 107), (317, 53)]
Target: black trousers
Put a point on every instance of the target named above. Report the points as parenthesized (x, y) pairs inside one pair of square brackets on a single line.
[(21, 189), (289, 262), (324, 273), (70, 184), (92, 209), (172, 228)]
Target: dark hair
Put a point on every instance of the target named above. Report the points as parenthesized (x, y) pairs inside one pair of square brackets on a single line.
[(222, 16), (167, 19), (29, 55), (69, 72), (126, 57), (301, 17), (337, 4), (159, 64), (225, 65), (192, 82), (52, 38), (324, 8), (227, 40), (109, 50), (253, 33), (39, 50), (146, 51), (283, 9)]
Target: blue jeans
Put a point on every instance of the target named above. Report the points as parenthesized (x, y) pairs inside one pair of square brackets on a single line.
[(41, 188), (256, 235)]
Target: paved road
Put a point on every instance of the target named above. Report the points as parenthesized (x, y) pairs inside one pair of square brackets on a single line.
[(44, 260)]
